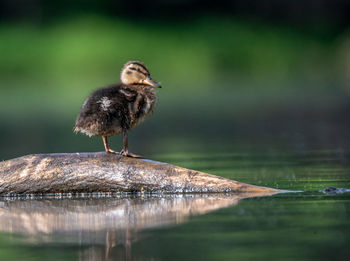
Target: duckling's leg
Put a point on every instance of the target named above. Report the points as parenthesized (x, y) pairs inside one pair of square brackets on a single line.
[(125, 151), (107, 148)]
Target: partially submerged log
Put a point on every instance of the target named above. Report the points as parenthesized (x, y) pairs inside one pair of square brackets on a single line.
[(101, 172)]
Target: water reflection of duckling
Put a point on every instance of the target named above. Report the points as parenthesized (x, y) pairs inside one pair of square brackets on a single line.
[(117, 108)]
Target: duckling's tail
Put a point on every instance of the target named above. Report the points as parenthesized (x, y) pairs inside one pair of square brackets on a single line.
[(76, 129)]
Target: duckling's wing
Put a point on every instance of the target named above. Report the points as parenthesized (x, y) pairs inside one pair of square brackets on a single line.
[(105, 111)]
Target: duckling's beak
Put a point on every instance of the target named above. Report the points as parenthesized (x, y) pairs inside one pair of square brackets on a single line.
[(151, 82)]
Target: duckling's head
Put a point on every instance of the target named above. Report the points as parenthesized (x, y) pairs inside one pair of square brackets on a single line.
[(135, 72)]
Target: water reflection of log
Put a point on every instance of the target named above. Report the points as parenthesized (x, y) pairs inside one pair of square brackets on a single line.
[(101, 172), (105, 222)]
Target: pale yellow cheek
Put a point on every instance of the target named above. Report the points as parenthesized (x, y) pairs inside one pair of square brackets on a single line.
[(124, 78)]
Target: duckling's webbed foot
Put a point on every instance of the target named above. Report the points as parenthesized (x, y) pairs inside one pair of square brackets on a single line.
[(126, 153), (107, 148), (112, 151)]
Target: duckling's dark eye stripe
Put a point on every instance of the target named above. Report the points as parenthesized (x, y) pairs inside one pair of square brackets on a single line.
[(137, 69), (141, 65)]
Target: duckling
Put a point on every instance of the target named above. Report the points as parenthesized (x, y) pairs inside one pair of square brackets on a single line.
[(119, 107)]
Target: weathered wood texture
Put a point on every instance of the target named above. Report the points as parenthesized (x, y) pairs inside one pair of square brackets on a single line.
[(101, 172)]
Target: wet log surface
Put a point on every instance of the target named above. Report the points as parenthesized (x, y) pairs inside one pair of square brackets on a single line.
[(101, 172)]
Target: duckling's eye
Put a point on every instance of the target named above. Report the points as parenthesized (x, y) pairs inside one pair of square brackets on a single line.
[(128, 72)]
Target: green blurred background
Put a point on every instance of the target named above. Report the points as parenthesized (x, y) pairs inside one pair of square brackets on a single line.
[(237, 75)]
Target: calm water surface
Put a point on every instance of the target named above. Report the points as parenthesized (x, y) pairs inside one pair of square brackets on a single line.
[(309, 225)]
